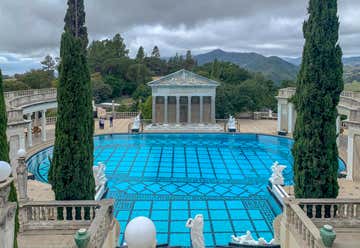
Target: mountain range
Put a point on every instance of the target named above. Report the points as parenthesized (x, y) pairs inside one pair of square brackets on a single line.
[(273, 67), (348, 61)]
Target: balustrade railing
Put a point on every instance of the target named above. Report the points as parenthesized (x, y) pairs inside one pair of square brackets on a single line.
[(301, 226), (304, 217), (14, 94), (339, 212), (68, 216), (51, 120), (123, 115)]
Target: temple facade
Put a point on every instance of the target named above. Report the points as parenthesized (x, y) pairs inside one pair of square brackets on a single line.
[(183, 97)]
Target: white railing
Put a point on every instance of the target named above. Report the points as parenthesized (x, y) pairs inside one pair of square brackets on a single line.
[(14, 94), (69, 216), (123, 115), (51, 120)]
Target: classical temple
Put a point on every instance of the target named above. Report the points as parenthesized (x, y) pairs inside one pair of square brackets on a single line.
[(183, 97)]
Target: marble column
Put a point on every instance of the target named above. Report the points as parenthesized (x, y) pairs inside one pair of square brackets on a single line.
[(213, 116), (350, 157), (290, 117), (22, 141), (189, 109), (36, 121), (29, 130), (43, 125), (201, 109), (177, 109), (338, 124), (279, 109), (154, 109), (166, 109)]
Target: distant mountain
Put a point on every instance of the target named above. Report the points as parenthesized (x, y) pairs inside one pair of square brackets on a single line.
[(351, 61), (272, 67)]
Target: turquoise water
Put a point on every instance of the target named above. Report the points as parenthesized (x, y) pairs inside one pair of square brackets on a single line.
[(171, 177)]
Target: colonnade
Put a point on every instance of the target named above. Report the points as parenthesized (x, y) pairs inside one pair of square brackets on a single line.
[(183, 109)]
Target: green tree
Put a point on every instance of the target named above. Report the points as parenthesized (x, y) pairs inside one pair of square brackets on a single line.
[(4, 155), (37, 79), (319, 86), (48, 64), (140, 56), (189, 61), (71, 173), (146, 108), (101, 91), (155, 52)]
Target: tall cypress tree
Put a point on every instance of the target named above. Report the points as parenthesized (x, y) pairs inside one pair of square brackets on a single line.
[(4, 154), (319, 86), (71, 174)]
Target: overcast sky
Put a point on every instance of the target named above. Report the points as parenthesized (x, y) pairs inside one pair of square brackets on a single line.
[(32, 29)]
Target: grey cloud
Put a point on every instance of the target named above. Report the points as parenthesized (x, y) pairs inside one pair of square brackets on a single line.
[(272, 27)]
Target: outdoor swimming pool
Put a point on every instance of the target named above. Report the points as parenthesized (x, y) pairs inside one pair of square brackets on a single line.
[(171, 177)]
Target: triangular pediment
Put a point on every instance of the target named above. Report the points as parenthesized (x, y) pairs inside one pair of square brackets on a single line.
[(184, 78)]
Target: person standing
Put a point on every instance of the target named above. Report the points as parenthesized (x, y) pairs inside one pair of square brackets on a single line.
[(111, 121)]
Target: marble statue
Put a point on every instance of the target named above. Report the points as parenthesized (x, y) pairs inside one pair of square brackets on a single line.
[(232, 124), (136, 125), (100, 180), (248, 239), (197, 231), (277, 177), (22, 174)]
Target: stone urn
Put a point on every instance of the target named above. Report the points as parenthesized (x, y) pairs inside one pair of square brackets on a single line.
[(328, 235), (82, 238)]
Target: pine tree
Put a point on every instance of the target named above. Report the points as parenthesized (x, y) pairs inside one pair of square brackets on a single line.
[(189, 61), (71, 174), (318, 93), (140, 56), (155, 53), (215, 70), (4, 155)]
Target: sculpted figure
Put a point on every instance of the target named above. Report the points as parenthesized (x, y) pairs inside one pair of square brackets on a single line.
[(277, 177), (197, 231)]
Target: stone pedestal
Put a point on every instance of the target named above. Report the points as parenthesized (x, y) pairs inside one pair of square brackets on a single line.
[(7, 216)]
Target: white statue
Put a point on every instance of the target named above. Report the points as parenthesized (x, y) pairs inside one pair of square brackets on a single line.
[(137, 122), (100, 180), (232, 124), (277, 177), (248, 239), (197, 231)]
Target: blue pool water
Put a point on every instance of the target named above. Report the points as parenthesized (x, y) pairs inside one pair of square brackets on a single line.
[(171, 177)]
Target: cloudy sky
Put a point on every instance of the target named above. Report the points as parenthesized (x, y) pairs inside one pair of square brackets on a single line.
[(32, 29)]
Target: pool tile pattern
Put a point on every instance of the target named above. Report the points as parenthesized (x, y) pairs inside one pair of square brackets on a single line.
[(172, 177)]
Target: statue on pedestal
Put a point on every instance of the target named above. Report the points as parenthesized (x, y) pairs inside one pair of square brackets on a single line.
[(232, 124), (277, 177), (137, 123), (197, 231), (22, 175), (100, 180)]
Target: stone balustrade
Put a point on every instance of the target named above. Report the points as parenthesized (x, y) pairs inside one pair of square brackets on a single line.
[(50, 94), (66, 217), (339, 212), (304, 217), (300, 225), (123, 115), (21, 93)]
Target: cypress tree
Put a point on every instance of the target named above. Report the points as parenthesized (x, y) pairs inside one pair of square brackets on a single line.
[(140, 56), (71, 174), (318, 93), (4, 155)]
